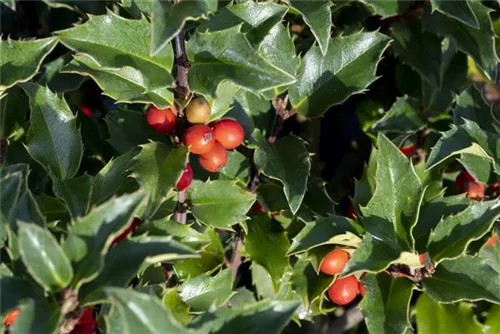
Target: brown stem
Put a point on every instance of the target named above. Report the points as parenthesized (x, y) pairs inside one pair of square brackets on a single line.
[(180, 210)]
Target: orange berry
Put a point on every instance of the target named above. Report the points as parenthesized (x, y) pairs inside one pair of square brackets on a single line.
[(343, 290), (229, 133), (199, 138), (214, 160), (334, 262), (161, 120), (11, 317)]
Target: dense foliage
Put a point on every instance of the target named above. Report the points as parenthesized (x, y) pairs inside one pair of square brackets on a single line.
[(204, 166)]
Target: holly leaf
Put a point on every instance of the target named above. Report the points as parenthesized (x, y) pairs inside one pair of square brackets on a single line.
[(386, 8), (237, 168), (252, 112), (168, 19), (409, 44), (223, 100), (255, 19), (386, 303), (318, 17), (451, 236), (266, 243), (228, 55), (37, 316), (184, 233), (130, 305), (43, 257), (491, 256), (11, 185), (201, 292), (53, 139), (174, 303), (13, 110), (393, 210), (466, 278), (137, 7), (317, 202), (403, 117), (220, 203), (158, 168), (15, 290), (440, 318), (472, 106), (123, 261), (466, 138), (75, 192), (492, 321), (324, 231), (125, 71), (476, 42), (89, 237), (21, 60), (459, 10), (347, 68), (287, 160), (365, 186)]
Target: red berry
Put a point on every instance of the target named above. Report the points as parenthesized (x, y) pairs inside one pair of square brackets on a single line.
[(136, 222), (362, 289), (186, 178), (408, 150), (343, 290), (257, 207), (199, 138), (86, 317), (85, 110), (161, 120), (334, 262), (422, 258), (229, 133), (11, 317), (468, 184), (351, 213), (214, 160), (492, 240)]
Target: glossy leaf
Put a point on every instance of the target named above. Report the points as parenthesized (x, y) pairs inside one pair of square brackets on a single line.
[(179, 309), (220, 203), (228, 55), (37, 316), (252, 112), (472, 106), (318, 17), (28, 210), (130, 305), (477, 43), (13, 110), (266, 244), (43, 257), (223, 100), (21, 60), (184, 233), (16, 290), (386, 303), (287, 160), (75, 192), (386, 8), (237, 168), (459, 10), (466, 278), (202, 291), (451, 236), (11, 185), (317, 202), (89, 238), (347, 68), (168, 19), (403, 117), (53, 139), (323, 231), (123, 261), (158, 168)]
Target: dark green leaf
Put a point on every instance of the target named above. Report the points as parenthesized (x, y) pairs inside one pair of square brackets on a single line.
[(223, 100), (124, 260), (465, 278), (491, 256), (221, 203), (266, 244), (131, 306), (21, 60), (252, 112), (201, 292), (318, 17), (13, 110), (37, 317), (75, 193), (9, 3), (387, 8), (228, 55), (52, 208), (431, 180), (11, 185), (477, 43), (386, 303), (53, 139), (16, 290), (237, 168), (365, 187), (158, 168), (89, 238), (403, 117), (331, 230), (347, 68), (459, 10), (287, 160), (316, 201), (472, 106), (43, 257)]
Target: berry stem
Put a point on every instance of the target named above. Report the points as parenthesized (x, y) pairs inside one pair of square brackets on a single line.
[(180, 210)]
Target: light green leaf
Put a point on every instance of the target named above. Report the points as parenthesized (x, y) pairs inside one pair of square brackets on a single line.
[(221, 203), (168, 19), (202, 291), (43, 257), (318, 17), (228, 55), (9, 3), (477, 43), (493, 320), (174, 303), (403, 117), (21, 60), (137, 7), (347, 68), (287, 160), (386, 303), (223, 100), (53, 139), (432, 317), (75, 192), (451, 236), (131, 306), (459, 10), (89, 237), (466, 278)]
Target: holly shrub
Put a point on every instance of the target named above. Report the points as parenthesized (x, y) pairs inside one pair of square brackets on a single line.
[(204, 166)]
